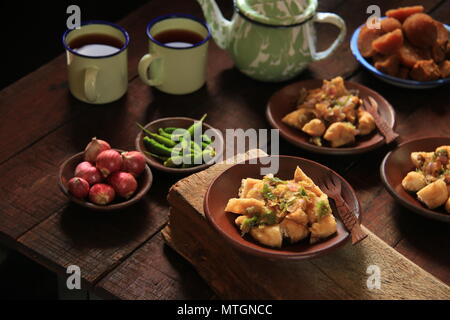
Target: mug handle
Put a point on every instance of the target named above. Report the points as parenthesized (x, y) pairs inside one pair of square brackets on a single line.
[(143, 67), (322, 17), (90, 80)]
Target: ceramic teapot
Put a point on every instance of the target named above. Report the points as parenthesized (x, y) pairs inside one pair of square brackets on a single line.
[(271, 40)]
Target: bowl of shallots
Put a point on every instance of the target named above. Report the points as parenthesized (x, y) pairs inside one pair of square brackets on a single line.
[(105, 179)]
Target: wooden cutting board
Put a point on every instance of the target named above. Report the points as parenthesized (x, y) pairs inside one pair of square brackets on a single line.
[(346, 273)]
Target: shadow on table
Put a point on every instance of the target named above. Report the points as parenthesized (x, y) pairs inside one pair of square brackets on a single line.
[(192, 284), (427, 237), (89, 229)]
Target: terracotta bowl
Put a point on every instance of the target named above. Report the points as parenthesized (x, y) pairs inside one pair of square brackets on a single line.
[(396, 166), (66, 172), (177, 122), (226, 186), (284, 102)]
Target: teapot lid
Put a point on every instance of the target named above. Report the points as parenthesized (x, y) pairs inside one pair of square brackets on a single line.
[(277, 12)]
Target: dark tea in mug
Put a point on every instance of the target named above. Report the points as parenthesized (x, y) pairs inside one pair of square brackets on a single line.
[(179, 38), (96, 45)]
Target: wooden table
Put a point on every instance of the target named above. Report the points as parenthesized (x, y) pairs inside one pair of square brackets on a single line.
[(123, 255)]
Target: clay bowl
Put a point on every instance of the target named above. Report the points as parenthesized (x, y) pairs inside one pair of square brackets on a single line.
[(66, 172), (396, 166), (284, 102), (177, 122), (226, 186)]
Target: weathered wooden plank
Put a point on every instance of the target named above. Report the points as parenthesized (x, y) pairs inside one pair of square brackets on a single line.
[(341, 274), (154, 272), (96, 242)]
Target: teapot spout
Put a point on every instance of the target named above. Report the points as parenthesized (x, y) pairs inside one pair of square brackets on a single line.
[(220, 27)]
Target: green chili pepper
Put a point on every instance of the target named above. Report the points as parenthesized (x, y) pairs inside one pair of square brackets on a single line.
[(158, 157), (170, 130), (196, 126), (206, 139), (143, 129), (165, 141), (157, 148)]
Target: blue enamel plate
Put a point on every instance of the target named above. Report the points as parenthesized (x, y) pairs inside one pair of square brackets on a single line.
[(410, 84)]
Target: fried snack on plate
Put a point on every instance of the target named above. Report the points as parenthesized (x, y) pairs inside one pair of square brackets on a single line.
[(240, 206), (425, 70), (414, 181), (389, 43), (390, 24), (365, 40), (388, 64), (290, 210), (366, 122), (437, 53), (340, 134), (403, 73), (434, 195), (421, 30), (315, 128), (442, 34), (402, 13), (444, 69), (299, 117), (410, 55), (431, 179)]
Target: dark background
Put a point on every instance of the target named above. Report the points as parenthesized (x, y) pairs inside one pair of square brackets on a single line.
[(31, 30)]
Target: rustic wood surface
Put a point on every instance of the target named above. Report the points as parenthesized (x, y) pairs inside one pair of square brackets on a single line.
[(341, 274), (41, 125)]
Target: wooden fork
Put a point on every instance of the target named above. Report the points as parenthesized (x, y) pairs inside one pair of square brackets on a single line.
[(371, 107), (331, 185)]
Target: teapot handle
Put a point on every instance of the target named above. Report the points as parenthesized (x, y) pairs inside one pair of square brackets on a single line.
[(322, 17)]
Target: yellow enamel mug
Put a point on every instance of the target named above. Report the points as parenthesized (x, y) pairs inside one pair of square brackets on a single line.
[(176, 67), (97, 74)]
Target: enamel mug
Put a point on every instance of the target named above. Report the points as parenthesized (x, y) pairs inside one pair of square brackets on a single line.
[(97, 76), (176, 67)]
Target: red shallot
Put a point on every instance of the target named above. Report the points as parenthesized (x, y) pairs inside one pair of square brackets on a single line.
[(133, 162), (78, 187), (88, 172), (94, 148), (102, 194), (123, 183), (108, 162)]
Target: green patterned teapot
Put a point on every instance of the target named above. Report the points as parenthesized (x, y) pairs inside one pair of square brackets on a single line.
[(271, 40)]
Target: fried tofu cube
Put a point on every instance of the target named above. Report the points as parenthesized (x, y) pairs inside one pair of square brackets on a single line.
[(323, 228), (366, 122), (293, 231), (239, 206), (434, 195), (340, 134), (315, 128), (268, 235), (414, 181)]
